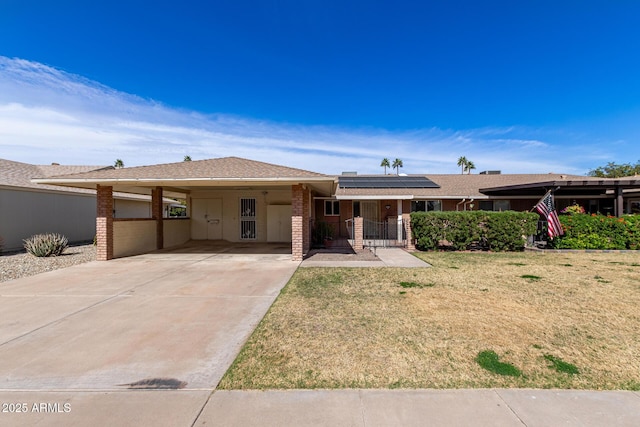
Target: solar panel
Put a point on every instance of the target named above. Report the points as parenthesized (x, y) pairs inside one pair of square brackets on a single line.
[(390, 181)]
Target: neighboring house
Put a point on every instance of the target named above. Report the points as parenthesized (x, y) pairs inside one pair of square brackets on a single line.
[(27, 208), (384, 198), (240, 200)]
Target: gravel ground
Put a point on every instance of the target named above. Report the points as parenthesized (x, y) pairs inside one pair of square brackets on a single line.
[(341, 254), (21, 264)]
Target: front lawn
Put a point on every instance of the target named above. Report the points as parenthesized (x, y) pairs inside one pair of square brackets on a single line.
[(559, 320)]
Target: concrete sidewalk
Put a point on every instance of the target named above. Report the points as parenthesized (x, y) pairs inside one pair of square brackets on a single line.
[(502, 407), (190, 407), (387, 257)]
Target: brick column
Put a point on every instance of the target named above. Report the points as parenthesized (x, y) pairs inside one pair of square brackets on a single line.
[(406, 219), (156, 213), (104, 223), (297, 222), (358, 233)]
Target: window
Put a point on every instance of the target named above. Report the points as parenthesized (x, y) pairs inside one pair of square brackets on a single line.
[(495, 205), (331, 208), (356, 209), (486, 205), (501, 205), (426, 205), (247, 219)]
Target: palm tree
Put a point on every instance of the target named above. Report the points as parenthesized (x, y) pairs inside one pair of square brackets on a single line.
[(469, 166), (397, 164), (118, 164), (462, 162), (187, 158), (385, 163)]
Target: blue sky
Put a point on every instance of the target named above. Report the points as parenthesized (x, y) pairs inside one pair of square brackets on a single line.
[(519, 86)]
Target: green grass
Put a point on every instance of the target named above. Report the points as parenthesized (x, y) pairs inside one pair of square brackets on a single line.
[(531, 277), (490, 361), (561, 366)]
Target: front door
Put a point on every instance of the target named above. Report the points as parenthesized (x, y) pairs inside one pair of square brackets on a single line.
[(206, 219)]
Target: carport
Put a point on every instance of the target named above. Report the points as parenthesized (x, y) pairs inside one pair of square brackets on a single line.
[(618, 190), (229, 199)]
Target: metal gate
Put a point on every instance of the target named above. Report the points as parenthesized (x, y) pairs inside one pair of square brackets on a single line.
[(380, 234)]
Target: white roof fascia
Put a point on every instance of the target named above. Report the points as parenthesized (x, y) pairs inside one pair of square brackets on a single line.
[(175, 180)]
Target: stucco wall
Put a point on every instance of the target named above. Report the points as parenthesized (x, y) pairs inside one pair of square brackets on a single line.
[(231, 209), (25, 213), (176, 232), (133, 237)]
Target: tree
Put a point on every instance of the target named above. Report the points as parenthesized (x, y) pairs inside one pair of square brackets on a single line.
[(612, 170), (187, 158), (118, 164), (462, 162), (469, 166), (397, 164), (385, 163)]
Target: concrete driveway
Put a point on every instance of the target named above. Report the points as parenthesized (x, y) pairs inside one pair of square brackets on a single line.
[(167, 320)]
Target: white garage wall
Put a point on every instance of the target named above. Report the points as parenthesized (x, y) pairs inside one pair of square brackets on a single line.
[(131, 208), (25, 213)]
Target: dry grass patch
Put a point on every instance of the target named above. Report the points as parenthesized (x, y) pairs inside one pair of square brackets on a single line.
[(415, 328)]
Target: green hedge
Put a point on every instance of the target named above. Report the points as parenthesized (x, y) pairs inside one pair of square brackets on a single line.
[(497, 231), (583, 231)]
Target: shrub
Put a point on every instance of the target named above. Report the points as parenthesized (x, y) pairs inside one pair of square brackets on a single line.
[(508, 231), (44, 245), (583, 231), (498, 231)]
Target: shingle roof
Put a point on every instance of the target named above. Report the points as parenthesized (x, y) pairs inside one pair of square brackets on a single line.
[(220, 168), (461, 186), (17, 174)]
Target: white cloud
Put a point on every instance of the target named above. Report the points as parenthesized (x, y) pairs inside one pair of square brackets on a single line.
[(48, 115)]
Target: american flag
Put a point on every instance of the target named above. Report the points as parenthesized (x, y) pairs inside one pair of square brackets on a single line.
[(547, 209)]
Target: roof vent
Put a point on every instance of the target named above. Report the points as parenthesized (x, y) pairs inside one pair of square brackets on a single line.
[(490, 172), (349, 173)]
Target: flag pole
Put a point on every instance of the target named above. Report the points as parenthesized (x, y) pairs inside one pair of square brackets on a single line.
[(542, 198)]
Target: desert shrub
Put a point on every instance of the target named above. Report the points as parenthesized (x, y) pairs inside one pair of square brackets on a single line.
[(582, 231), (44, 245), (498, 231)]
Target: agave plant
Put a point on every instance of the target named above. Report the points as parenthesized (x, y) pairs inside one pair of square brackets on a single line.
[(44, 245)]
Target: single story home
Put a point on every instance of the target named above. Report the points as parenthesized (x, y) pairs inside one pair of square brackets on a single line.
[(28, 208), (232, 199), (382, 199), (241, 200)]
